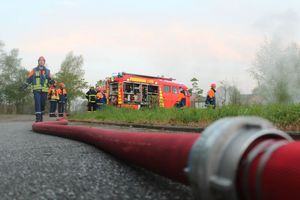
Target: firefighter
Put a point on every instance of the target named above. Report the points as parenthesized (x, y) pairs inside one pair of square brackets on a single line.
[(181, 101), (91, 97), (39, 77), (53, 98), (62, 93), (103, 100), (99, 97), (211, 97)]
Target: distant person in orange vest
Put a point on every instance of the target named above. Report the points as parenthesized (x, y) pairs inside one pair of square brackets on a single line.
[(99, 97), (53, 98), (62, 92), (181, 101), (211, 97)]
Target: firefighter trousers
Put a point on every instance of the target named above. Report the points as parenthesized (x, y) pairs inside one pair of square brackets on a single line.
[(61, 109), (92, 106), (39, 104), (53, 106)]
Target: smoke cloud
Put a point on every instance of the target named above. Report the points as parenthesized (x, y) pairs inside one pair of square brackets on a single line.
[(277, 63)]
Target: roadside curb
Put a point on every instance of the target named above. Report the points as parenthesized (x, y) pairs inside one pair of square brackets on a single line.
[(159, 127)]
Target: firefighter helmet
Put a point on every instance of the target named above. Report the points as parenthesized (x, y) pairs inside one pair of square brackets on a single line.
[(41, 58), (61, 84), (52, 82)]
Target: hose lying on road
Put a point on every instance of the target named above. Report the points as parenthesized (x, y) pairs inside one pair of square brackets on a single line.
[(234, 158), (162, 153)]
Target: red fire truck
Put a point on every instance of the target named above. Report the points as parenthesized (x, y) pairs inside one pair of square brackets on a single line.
[(136, 91)]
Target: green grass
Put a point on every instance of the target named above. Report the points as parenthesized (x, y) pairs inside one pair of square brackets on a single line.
[(281, 115)]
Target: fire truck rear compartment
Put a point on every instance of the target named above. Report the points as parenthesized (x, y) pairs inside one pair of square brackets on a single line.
[(143, 94)]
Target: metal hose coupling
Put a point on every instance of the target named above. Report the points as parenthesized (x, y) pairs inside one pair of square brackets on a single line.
[(215, 156)]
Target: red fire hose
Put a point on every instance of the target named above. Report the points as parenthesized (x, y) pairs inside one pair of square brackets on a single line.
[(235, 158), (162, 153)]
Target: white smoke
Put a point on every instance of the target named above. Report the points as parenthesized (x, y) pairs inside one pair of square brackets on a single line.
[(277, 63)]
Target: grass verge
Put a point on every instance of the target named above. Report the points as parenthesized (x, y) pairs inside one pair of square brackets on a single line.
[(283, 116)]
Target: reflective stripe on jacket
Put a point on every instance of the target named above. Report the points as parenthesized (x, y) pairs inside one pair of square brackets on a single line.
[(39, 79), (52, 92), (91, 96), (62, 93)]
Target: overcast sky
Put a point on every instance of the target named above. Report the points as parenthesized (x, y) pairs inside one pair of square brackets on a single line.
[(210, 40)]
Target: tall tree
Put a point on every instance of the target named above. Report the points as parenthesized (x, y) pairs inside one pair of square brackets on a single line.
[(228, 94), (72, 74), (1, 70), (222, 93), (196, 89), (11, 78), (234, 95)]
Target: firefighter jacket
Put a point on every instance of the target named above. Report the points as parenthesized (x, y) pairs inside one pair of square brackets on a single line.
[(180, 96), (99, 95), (53, 94), (39, 78), (211, 97), (211, 93), (101, 98), (62, 94), (91, 96)]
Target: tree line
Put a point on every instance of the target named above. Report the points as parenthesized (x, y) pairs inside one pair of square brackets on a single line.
[(13, 100)]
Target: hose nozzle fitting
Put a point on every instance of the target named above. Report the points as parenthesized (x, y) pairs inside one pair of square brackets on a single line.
[(215, 156)]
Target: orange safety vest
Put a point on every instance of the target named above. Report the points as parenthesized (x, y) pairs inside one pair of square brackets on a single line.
[(99, 95), (180, 96), (211, 93), (62, 91), (39, 78), (52, 92)]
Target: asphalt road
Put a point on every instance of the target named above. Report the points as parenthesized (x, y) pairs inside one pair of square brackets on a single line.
[(37, 166)]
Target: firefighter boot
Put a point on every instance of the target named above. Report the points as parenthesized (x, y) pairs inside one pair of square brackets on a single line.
[(38, 117)]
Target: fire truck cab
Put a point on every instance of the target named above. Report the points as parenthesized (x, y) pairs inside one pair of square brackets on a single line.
[(136, 91)]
